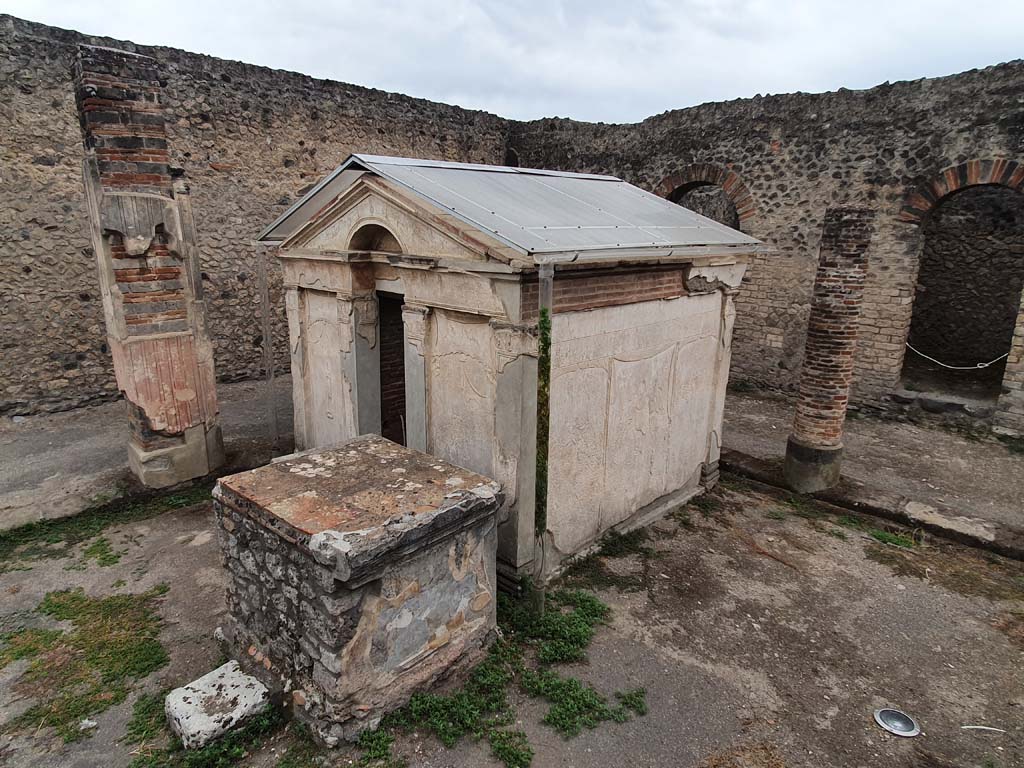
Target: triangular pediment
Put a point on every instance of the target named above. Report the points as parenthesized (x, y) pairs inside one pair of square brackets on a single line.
[(420, 229)]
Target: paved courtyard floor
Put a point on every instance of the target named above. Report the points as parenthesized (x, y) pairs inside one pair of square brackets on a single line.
[(57, 464), (942, 468), (765, 632)]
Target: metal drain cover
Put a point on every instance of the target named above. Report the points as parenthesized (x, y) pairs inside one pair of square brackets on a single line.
[(896, 722)]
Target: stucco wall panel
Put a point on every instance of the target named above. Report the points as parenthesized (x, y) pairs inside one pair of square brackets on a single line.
[(633, 399), (579, 397), (460, 391), (639, 434), (329, 406)]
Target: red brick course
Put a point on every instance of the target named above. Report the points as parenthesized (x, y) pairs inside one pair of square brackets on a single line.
[(605, 288), (118, 95)]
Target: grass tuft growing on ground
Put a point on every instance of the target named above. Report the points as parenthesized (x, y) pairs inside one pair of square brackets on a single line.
[(707, 504), (57, 538), (511, 747), (802, 506), (82, 672), (101, 551), (634, 542), (895, 539), (592, 572), (148, 723)]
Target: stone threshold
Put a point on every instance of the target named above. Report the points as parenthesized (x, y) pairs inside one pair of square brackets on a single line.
[(856, 496), (938, 402)]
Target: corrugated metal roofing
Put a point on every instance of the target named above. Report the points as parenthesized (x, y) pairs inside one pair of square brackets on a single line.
[(536, 211)]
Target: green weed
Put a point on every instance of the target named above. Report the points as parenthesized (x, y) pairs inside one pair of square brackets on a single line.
[(376, 746), (635, 700), (511, 747), (564, 631), (27, 644), (148, 722), (57, 538), (706, 504), (802, 507), (849, 521), (481, 709), (576, 706), (616, 544), (896, 539), (84, 671), (224, 752), (101, 551)]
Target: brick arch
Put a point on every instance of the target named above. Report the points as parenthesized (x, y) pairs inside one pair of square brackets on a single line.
[(922, 200), (698, 174)]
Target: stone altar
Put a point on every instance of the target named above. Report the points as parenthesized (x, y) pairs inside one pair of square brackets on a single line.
[(360, 573)]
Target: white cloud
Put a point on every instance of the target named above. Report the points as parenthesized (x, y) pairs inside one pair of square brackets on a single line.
[(596, 60)]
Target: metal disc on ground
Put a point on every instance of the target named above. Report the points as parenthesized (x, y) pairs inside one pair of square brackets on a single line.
[(896, 722)]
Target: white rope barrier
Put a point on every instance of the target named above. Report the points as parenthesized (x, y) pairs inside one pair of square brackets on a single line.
[(975, 367)]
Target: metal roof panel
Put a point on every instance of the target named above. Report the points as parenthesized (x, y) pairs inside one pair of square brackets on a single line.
[(535, 211)]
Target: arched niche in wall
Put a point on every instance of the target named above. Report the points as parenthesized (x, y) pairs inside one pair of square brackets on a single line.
[(712, 191), (967, 295), (374, 237)]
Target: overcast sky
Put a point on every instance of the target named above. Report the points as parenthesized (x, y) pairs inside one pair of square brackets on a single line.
[(586, 59)]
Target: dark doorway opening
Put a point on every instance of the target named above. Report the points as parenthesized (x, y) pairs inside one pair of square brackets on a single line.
[(708, 200), (392, 367), (968, 294)]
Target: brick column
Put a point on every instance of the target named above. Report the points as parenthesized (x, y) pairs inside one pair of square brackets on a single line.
[(144, 238), (815, 446)]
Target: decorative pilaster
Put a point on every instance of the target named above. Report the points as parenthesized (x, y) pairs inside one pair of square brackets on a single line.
[(515, 433), (296, 317), (144, 238), (415, 320), (815, 447), (358, 316)]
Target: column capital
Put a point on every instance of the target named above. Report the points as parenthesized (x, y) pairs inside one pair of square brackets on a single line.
[(512, 340), (415, 317)]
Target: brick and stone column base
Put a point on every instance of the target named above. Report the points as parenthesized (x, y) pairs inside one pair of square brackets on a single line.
[(814, 450)]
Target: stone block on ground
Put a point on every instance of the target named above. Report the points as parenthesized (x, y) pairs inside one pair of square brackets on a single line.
[(214, 704)]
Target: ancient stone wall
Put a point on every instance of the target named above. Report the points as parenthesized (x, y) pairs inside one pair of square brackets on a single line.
[(782, 161), (250, 140)]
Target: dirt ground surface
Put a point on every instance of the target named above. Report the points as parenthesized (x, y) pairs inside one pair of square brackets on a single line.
[(764, 631), (57, 464), (935, 466)]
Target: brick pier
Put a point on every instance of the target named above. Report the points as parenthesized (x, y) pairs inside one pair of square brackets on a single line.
[(815, 445), (144, 239)]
